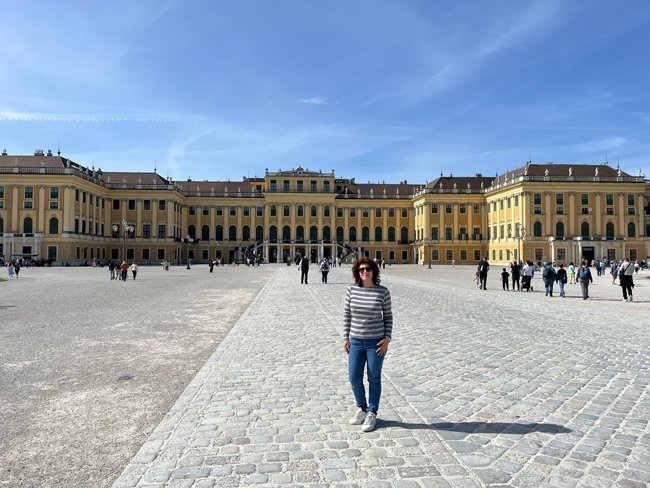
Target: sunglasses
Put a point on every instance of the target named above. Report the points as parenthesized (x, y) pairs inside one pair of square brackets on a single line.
[(365, 269)]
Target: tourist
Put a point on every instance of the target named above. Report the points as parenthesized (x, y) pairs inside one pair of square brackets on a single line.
[(515, 271), (626, 279), (483, 268), (111, 270), (124, 267), (367, 331), (572, 273), (10, 270), (505, 279), (324, 269), (549, 277), (304, 269), (560, 277), (584, 277), (134, 269)]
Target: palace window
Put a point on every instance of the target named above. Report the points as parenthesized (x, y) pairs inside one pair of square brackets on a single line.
[(365, 213), (146, 204), (232, 211), (609, 199), (285, 211), (247, 211), (405, 213), (54, 192), (434, 208), (162, 231), (206, 210), (559, 199), (391, 212), (630, 199), (537, 199), (339, 212), (131, 204), (378, 212), (146, 231), (448, 208), (301, 211), (274, 211), (463, 208), (584, 198), (219, 210)]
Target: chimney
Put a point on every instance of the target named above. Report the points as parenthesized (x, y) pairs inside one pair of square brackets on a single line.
[(4, 152), (49, 152), (39, 152)]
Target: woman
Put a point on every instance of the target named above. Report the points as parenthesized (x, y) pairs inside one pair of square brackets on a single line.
[(367, 330), (572, 273)]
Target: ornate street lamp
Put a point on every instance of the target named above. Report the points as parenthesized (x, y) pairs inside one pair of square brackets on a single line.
[(127, 230), (520, 233)]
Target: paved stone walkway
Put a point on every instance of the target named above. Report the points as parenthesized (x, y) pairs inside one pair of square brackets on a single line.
[(481, 388)]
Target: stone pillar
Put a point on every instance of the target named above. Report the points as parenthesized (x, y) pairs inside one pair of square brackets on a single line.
[(40, 222)]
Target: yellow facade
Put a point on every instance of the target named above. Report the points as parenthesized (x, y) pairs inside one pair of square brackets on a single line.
[(53, 207)]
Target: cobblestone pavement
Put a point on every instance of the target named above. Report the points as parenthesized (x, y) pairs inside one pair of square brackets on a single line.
[(481, 388)]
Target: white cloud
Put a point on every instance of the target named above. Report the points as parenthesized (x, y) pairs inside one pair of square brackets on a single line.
[(318, 100)]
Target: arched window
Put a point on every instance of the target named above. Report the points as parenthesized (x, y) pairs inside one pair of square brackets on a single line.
[(339, 233), (378, 234), (28, 226), (205, 233), (246, 233), (54, 225), (259, 233), (300, 233), (609, 230), (326, 233), (631, 230), (273, 233), (365, 234), (219, 233), (353, 233), (537, 229), (559, 229), (391, 234), (286, 233), (313, 233), (404, 235), (232, 233), (191, 231), (584, 229)]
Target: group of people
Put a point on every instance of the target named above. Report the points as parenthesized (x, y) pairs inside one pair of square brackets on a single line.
[(623, 271), (13, 268), (120, 270)]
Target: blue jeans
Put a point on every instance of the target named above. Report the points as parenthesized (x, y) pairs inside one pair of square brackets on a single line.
[(549, 285), (363, 354), (561, 283)]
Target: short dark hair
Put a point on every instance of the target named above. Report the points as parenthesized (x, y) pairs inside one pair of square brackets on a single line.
[(373, 266)]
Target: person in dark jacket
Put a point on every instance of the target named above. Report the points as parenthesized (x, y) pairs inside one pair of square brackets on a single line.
[(515, 271), (483, 268), (304, 269), (561, 278), (584, 278)]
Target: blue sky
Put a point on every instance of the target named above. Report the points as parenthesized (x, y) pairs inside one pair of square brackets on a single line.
[(377, 90)]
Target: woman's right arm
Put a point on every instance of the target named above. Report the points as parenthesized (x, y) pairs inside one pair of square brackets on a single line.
[(347, 321)]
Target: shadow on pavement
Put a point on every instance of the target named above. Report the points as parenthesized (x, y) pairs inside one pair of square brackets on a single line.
[(480, 427)]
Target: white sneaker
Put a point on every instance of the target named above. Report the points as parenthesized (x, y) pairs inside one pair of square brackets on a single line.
[(370, 422), (358, 418)]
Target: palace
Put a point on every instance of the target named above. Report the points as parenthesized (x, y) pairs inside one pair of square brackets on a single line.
[(54, 208)]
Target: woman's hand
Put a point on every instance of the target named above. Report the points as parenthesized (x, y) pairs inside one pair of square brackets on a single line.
[(346, 346), (382, 346)]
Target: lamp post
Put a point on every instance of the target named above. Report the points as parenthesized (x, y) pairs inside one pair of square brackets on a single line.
[(188, 240), (520, 233), (127, 229)]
